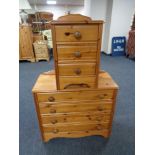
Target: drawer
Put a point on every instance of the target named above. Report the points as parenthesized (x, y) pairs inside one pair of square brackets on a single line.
[(76, 33), (48, 108), (77, 82), (76, 95), (76, 117), (68, 127), (77, 69), (77, 52)]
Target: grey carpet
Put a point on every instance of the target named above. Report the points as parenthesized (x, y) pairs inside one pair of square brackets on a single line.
[(122, 139)]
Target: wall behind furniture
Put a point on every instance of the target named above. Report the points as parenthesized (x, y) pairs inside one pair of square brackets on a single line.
[(98, 10), (121, 19), (58, 10)]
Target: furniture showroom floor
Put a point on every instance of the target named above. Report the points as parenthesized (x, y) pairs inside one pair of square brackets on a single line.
[(122, 138)]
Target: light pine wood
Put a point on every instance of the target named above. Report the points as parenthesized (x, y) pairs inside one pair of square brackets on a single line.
[(75, 127), (25, 44), (75, 113), (46, 82), (77, 82), (67, 53), (75, 134), (76, 69), (88, 32), (46, 108), (74, 41), (77, 95), (76, 117)]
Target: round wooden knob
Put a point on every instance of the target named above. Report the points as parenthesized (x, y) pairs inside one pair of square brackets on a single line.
[(100, 108), (78, 71), (77, 54), (54, 121), (99, 127), (101, 96), (51, 99), (52, 111), (55, 131), (99, 118), (77, 35)]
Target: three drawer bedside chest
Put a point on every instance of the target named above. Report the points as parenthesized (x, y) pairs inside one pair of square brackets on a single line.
[(76, 99)]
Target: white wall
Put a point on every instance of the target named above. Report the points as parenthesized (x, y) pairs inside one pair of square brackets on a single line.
[(121, 18), (107, 25), (58, 10), (98, 12)]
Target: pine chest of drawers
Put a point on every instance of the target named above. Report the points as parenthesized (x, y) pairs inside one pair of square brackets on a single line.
[(76, 46), (74, 112)]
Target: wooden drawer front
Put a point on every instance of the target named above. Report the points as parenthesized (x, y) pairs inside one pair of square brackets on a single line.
[(77, 52), (75, 96), (48, 108), (72, 32), (77, 69), (75, 127), (75, 117), (77, 82)]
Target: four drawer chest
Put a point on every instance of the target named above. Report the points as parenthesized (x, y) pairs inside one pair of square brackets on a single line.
[(76, 99), (77, 46)]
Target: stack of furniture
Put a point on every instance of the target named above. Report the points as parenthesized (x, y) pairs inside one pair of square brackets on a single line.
[(25, 43), (77, 99)]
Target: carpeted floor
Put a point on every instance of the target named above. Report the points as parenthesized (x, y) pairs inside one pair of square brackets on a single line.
[(122, 139)]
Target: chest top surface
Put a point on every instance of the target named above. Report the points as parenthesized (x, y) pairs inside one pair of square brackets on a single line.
[(46, 82)]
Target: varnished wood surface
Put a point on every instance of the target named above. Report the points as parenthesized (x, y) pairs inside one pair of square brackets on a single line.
[(46, 82), (74, 34), (88, 32), (47, 108), (75, 113), (77, 69), (75, 134), (75, 18), (25, 44), (67, 53), (75, 117)]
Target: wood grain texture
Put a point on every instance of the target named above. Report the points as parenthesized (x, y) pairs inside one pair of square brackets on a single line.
[(67, 33), (67, 53), (76, 117), (46, 82), (75, 134), (77, 69), (75, 113), (25, 44), (76, 40)]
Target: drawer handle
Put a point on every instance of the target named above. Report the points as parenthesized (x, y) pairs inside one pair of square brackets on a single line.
[(99, 127), (78, 71), (52, 111), (77, 34), (51, 99), (55, 131), (54, 121), (77, 54), (99, 119), (100, 108), (101, 96), (81, 85)]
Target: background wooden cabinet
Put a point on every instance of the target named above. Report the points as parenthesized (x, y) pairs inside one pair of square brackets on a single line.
[(25, 43)]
